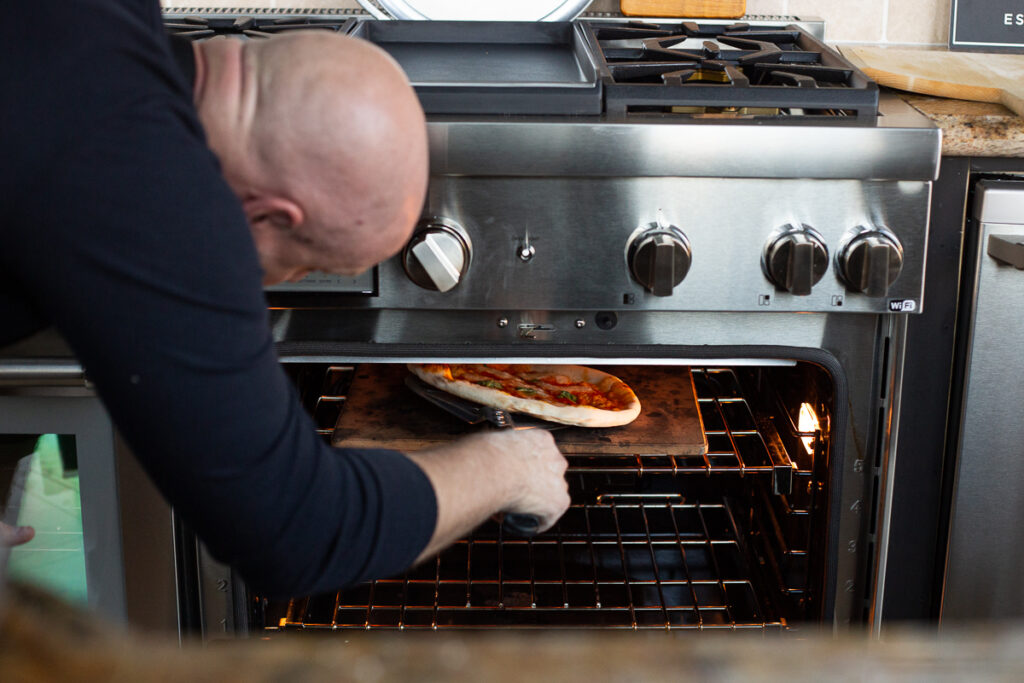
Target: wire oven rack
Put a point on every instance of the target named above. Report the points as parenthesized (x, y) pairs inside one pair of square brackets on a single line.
[(737, 443), (622, 562), (631, 552)]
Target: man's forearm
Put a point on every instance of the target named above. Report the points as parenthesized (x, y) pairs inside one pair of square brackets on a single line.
[(478, 476)]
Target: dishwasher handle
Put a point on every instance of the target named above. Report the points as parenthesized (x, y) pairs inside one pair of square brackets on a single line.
[(1008, 249)]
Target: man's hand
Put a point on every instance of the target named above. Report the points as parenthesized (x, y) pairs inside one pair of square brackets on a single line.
[(538, 469), (499, 471), (15, 535)]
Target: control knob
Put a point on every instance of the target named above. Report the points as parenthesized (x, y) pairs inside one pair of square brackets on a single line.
[(437, 256), (870, 261), (659, 257), (796, 259)]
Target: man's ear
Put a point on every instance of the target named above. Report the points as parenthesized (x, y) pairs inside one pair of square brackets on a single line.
[(272, 212)]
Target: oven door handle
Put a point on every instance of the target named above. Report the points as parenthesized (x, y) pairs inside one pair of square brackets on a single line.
[(1008, 249), (41, 372)]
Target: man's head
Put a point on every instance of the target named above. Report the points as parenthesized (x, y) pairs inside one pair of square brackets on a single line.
[(324, 142)]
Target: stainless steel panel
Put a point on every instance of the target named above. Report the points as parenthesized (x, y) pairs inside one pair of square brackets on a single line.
[(364, 283), (475, 331), (985, 562), (901, 145), (1001, 201), (579, 229)]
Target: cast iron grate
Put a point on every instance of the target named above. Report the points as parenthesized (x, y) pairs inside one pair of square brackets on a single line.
[(196, 27), (728, 71)]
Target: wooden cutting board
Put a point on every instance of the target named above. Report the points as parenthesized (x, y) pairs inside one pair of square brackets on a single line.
[(963, 75), (381, 412), (697, 9)]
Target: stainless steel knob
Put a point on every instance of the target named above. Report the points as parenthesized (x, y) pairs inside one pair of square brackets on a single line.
[(438, 254), (659, 258), (796, 259), (871, 261)]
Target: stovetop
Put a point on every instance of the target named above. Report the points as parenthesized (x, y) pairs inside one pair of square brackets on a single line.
[(767, 171), (621, 70)]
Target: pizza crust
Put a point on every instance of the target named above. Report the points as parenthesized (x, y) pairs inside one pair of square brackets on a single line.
[(439, 375)]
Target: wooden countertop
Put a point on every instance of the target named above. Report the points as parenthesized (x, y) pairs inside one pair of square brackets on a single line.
[(977, 129)]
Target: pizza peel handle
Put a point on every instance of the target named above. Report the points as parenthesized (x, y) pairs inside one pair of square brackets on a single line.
[(473, 413), (521, 525)]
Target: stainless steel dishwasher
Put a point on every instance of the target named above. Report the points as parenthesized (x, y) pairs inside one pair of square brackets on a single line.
[(985, 562)]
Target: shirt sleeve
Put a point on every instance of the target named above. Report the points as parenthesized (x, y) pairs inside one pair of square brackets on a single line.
[(138, 252)]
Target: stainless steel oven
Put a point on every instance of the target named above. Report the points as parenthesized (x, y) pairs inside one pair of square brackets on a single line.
[(769, 250), (666, 244)]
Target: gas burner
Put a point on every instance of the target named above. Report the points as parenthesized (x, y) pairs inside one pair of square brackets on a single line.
[(733, 71), (197, 28)]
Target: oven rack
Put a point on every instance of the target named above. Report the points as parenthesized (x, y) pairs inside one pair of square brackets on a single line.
[(738, 443), (650, 562)]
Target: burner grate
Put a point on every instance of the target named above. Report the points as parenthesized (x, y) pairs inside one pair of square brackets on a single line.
[(623, 562), (196, 27), (691, 68)]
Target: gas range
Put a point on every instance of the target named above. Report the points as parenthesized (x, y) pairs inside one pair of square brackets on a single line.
[(618, 68), (614, 166)]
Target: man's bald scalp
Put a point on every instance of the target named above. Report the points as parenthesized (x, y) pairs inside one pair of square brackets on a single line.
[(339, 130)]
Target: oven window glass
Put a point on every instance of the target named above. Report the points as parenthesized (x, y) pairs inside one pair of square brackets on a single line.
[(40, 488)]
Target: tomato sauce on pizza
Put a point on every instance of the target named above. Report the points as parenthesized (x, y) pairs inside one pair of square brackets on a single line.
[(562, 393)]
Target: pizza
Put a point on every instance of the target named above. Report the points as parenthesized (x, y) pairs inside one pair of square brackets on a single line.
[(568, 394)]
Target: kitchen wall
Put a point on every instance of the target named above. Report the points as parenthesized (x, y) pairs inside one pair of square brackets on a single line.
[(895, 22)]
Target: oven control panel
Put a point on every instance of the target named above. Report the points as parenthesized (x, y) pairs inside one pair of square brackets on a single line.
[(663, 244)]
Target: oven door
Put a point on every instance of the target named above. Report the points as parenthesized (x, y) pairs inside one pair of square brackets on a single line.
[(779, 526)]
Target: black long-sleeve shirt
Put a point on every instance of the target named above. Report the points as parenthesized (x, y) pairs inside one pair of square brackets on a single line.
[(117, 228)]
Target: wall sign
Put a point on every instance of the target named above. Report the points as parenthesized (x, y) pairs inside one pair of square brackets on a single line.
[(987, 25)]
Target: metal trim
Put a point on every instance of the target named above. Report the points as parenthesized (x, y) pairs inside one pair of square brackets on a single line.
[(406, 9), (49, 371), (896, 334), (902, 146)]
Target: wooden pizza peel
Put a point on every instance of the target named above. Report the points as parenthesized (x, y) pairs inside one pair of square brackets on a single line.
[(381, 412)]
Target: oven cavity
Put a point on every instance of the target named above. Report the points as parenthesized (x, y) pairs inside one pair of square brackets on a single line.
[(729, 539)]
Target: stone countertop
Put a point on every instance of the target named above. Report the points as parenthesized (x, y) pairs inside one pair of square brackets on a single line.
[(972, 129), (42, 639)]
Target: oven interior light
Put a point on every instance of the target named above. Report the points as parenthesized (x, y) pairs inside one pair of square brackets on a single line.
[(808, 425)]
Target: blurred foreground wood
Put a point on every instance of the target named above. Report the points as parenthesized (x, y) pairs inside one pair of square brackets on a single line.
[(41, 639)]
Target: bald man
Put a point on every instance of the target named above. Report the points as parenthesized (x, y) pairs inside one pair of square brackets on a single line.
[(322, 139), (142, 215)]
